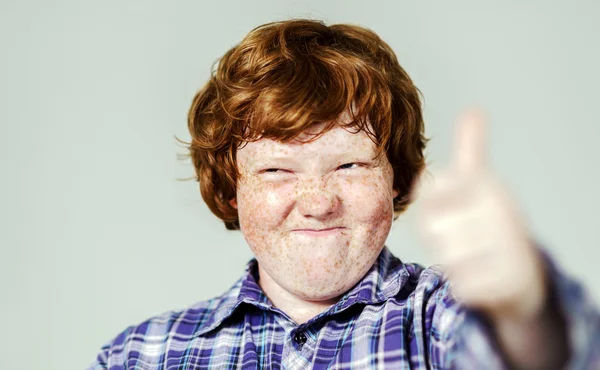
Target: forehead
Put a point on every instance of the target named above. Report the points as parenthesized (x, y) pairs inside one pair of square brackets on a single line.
[(338, 140)]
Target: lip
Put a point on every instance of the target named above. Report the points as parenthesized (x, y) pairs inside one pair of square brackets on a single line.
[(319, 232)]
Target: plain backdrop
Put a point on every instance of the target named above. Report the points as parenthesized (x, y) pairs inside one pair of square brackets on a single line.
[(97, 231)]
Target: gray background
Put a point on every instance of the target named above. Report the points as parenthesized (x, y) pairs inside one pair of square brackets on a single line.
[(98, 234)]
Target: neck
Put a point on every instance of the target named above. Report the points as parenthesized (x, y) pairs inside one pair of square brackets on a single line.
[(298, 309)]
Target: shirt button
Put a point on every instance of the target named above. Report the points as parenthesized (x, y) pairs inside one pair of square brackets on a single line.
[(300, 338)]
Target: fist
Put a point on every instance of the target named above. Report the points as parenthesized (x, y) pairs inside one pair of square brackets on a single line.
[(472, 226)]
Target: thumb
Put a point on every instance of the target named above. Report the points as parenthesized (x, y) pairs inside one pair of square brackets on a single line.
[(470, 146)]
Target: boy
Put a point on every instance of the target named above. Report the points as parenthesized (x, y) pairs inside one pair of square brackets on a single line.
[(309, 139)]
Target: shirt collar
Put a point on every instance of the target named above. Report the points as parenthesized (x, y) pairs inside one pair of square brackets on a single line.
[(383, 281)]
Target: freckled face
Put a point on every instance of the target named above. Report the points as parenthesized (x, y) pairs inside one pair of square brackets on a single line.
[(316, 215)]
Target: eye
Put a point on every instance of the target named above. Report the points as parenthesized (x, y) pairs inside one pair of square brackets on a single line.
[(348, 166), (275, 170)]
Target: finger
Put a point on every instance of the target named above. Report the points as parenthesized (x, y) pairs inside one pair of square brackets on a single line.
[(420, 185), (470, 144), (428, 186)]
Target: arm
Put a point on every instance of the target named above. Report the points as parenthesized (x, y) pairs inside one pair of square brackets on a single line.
[(564, 335), (100, 363), (536, 341), (534, 316), (112, 355)]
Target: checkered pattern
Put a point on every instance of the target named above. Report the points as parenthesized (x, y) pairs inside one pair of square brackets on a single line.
[(399, 316)]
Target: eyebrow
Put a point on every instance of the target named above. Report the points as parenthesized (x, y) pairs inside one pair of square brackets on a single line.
[(266, 161)]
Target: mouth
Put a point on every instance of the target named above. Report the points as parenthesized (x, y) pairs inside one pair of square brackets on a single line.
[(319, 232)]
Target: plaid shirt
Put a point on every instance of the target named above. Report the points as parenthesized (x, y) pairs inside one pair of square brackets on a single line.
[(399, 316)]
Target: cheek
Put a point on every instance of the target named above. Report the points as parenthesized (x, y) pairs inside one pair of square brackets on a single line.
[(262, 206), (369, 199)]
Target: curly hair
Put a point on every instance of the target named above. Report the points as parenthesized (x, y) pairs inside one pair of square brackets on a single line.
[(289, 75)]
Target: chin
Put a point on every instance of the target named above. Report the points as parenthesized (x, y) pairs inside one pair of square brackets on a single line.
[(320, 296), (323, 289)]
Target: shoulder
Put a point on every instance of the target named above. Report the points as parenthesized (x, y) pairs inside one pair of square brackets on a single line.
[(148, 340), (412, 281), (181, 322), (427, 280), (430, 293), (436, 312)]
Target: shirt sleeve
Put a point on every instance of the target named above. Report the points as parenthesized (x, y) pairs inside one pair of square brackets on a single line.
[(454, 337), (469, 342), (112, 354), (101, 361), (581, 315)]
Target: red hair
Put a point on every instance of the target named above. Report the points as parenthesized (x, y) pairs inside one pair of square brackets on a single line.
[(286, 76)]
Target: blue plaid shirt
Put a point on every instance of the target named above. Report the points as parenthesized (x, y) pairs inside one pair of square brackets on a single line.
[(399, 316)]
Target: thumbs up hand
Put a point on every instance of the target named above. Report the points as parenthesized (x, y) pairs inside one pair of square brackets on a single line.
[(474, 228)]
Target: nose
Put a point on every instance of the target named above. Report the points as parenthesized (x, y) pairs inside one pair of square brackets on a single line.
[(317, 201)]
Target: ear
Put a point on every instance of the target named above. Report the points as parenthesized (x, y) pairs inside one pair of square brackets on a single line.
[(233, 203), (395, 193)]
